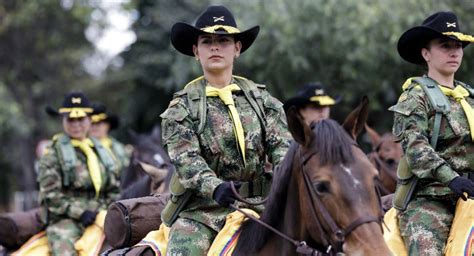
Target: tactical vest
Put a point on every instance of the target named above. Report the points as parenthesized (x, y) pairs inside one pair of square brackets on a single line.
[(406, 180), (67, 157), (195, 92), (119, 151)]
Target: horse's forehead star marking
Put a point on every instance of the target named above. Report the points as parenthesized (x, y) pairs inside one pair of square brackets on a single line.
[(158, 158), (349, 172)]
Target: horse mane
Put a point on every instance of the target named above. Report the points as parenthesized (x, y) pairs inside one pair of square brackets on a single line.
[(332, 143), (335, 147)]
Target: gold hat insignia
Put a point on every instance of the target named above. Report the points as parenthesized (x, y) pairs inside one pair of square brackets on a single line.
[(76, 100)]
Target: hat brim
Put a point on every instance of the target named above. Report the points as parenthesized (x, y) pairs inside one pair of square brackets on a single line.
[(413, 40), (302, 101), (113, 121), (184, 36)]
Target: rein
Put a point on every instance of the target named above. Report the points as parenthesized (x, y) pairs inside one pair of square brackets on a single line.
[(301, 246)]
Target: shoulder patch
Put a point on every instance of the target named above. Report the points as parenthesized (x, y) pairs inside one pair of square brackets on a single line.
[(403, 97)]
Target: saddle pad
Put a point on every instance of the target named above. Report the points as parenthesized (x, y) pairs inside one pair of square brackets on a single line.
[(461, 237), (223, 244), (460, 240), (89, 244), (226, 239)]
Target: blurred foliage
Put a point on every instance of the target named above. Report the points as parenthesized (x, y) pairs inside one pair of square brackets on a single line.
[(350, 46), (42, 47)]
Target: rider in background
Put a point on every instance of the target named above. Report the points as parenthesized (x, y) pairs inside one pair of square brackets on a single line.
[(102, 123), (442, 171), (312, 102), (242, 124), (78, 177)]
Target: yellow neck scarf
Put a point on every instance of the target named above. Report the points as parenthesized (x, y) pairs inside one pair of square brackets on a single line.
[(460, 93), (225, 94), (92, 162), (107, 143)]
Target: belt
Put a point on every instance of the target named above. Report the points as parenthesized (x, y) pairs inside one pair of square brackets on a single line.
[(259, 187)]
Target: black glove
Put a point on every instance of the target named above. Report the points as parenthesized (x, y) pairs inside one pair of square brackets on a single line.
[(223, 193), (88, 217), (461, 185)]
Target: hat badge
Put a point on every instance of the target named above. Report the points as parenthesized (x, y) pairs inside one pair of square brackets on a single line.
[(216, 19), (76, 100), (319, 92), (448, 25)]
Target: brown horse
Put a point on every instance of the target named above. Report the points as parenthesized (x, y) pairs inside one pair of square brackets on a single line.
[(385, 156), (323, 194)]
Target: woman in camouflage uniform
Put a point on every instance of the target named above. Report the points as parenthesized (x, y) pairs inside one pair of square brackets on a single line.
[(218, 129), (442, 168), (77, 177), (312, 103)]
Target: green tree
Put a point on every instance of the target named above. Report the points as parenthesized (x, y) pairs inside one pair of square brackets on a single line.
[(43, 45)]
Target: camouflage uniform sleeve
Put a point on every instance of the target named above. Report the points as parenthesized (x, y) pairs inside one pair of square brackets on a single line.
[(182, 144), (277, 136), (411, 125)]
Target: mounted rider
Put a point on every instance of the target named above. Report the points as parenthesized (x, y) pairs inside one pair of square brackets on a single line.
[(218, 129), (77, 177)]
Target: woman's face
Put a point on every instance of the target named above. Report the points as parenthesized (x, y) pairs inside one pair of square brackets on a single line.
[(443, 55), (99, 130), (76, 128), (216, 52), (314, 113)]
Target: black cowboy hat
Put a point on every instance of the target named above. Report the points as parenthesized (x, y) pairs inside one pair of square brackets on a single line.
[(100, 114), (311, 93), (214, 20), (440, 24), (75, 105)]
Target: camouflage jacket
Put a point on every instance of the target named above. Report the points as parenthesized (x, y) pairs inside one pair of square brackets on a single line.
[(205, 160), (71, 201), (413, 125)]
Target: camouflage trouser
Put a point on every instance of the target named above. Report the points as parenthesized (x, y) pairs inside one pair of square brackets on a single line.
[(189, 237), (62, 235), (425, 225)]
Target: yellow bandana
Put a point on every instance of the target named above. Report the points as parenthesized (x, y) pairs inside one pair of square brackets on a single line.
[(225, 94), (460, 93), (92, 162)]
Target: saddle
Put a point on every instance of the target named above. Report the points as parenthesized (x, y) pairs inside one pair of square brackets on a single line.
[(90, 242), (155, 242)]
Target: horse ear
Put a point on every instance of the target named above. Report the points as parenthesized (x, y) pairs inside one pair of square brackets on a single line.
[(156, 174), (156, 134), (355, 121), (373, 135), (300, 131)]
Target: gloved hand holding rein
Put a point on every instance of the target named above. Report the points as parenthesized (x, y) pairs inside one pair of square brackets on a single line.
[(224, 195), (461, 185)]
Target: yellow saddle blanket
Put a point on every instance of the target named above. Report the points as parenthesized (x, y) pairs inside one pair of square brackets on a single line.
[(223, 244), (460, 240), (88, 245)]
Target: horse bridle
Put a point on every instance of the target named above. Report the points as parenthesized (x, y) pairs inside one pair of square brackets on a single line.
[(381, 166), (331, 245), (335, 240)]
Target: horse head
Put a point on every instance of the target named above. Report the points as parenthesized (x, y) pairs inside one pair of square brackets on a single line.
[(149, 164), (385, 155), (340, 207)]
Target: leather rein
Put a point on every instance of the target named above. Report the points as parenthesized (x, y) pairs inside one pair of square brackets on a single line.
[(335, 240)]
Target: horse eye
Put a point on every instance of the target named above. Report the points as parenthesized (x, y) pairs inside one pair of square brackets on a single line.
[(322, 187)]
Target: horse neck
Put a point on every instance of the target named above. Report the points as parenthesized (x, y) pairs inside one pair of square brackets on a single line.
[(293, 225)]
